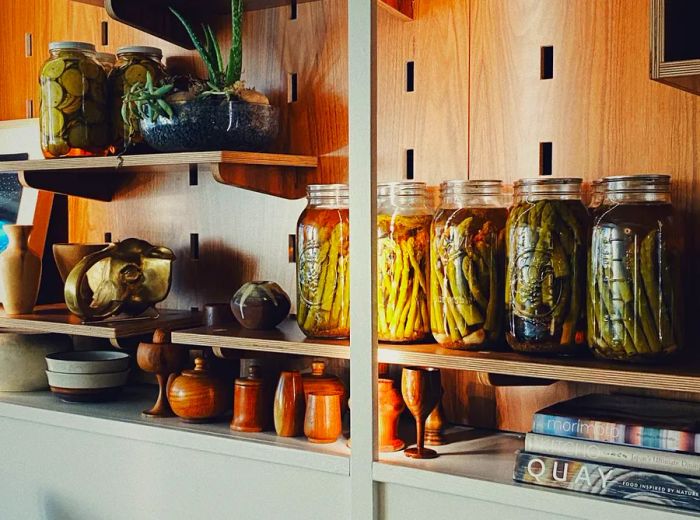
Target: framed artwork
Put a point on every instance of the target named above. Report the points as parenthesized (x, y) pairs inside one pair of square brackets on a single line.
[(19, 139)]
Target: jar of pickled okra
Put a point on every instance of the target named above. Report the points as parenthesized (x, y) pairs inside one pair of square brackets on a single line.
[(132, 66), (467, 264), (546, 242), (74, 119), (404, 216), (323, 257), (634, 306)]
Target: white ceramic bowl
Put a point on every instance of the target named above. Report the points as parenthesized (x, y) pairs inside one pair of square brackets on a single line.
[(88, 362), (86, 381)]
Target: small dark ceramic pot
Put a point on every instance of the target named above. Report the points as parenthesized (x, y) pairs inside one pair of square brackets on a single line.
[(260, 305)]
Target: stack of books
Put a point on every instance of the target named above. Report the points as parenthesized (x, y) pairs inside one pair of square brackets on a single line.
[(617, 446)]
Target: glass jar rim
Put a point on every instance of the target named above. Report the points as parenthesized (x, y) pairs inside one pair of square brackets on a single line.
[(71, 46), (106, 57), (402, 188), (471, 186), (548, 181), (140, 49), (327, 189)]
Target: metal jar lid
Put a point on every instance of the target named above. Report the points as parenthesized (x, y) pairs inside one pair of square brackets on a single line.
[(73, 46), (140, 49)]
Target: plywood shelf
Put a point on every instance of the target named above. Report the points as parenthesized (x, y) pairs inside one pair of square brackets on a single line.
[(683, 375), (57, 319), (99, 178), (286, 339)]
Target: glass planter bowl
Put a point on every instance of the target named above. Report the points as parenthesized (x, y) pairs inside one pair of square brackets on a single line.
[(213, 124)]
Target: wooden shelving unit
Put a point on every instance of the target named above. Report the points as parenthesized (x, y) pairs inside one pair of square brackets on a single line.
[(99, 178), (57, 319), (286, 339)]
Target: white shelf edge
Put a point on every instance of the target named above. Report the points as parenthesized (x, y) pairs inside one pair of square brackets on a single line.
[(232, 445), (537, 499)]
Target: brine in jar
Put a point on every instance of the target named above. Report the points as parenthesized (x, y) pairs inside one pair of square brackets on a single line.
[(404, 217), (323, 263), (74, 114), (546, 241), (467, 264), (634, 311)]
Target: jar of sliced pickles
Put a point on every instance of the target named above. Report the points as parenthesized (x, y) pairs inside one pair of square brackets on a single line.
[(133, 63), (546, 241), (323, 257), (74, 118), (634, 311), (467, 252), (404, 216)]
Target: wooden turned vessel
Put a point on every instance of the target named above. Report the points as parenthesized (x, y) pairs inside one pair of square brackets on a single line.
[(389, 408), (322, 422), (434, 426), (197, 395), (165, 360), (319, 381), (289, 406), (249, 410)]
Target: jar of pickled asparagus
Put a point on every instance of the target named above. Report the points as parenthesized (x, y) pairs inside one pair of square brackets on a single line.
[(74, 119), (634, 310), (323, 257), (404, 216), (546, 241), (467, 264), (133, 64)]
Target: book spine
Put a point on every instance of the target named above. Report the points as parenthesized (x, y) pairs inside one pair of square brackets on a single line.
[(608, 480), (643, 458), (615, 433)]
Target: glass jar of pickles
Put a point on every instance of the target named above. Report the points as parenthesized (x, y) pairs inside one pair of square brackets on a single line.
[(323, 256), (74, 118), (546, 241), (404, 216), (467, 254), (595, 190), (107, 60), (634, 311), (131, 67)]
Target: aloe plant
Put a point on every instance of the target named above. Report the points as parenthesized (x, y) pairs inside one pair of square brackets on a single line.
[(222, 78)]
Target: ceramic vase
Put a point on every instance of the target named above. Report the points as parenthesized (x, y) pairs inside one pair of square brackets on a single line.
[(288, 409), (390, 406), (322, 422), (20, 272)]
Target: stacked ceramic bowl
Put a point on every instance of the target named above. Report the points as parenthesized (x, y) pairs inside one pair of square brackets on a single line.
[(87, 376)]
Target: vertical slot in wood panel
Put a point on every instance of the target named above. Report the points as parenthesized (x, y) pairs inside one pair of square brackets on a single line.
[(410, 76), (194, 246), (545, 158), (409, 164), (547, 62), (292, 87), (293, 9), (28, 45), (104, 27), (194, 175), (30, 108), (108, 237)]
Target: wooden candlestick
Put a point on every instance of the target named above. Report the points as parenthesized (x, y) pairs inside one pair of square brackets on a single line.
[(421, 389), (165, 360)]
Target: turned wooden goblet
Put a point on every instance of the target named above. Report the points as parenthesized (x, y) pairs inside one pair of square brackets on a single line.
[(421, 389), (165, 360)]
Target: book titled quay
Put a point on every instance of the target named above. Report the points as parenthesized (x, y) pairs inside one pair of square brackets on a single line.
[(607, 480), (621, 419)]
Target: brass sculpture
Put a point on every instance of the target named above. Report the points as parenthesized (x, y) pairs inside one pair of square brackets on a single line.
[(128, 278)]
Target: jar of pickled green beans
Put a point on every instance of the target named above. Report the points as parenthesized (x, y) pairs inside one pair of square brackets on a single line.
[(404, 216), (132, 66), (634, 310), (74, 119), (467, 264), (323, 263), (546, 242)]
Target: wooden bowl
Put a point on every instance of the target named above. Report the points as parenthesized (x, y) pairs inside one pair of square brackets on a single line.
[(67, 256)]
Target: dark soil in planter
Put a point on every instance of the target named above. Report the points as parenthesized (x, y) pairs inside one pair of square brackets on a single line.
[(213, 124)]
